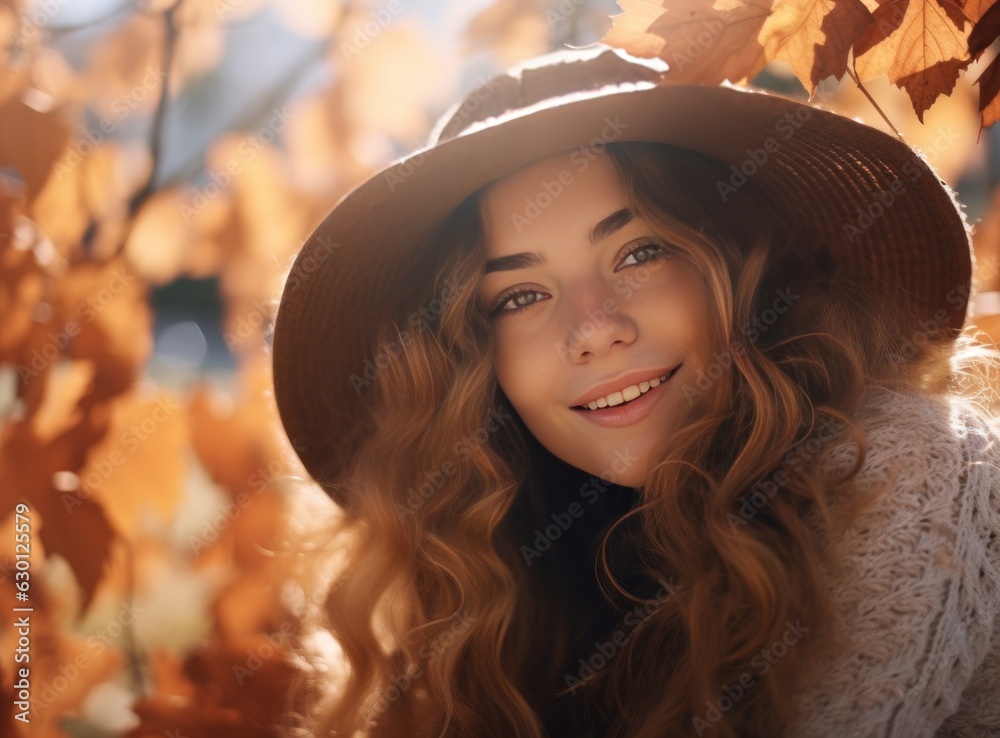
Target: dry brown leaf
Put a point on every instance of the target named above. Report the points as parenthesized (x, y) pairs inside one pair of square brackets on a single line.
[(707, 43), (947, 134), (55, 441), (107, 304), (125, 75), (158, 241), (166, 671), (317, 156), (513, 29), (976, 9), (53, 77), (245, 607), (250, 674), (30, 142), (140, 463), (65, 667), (14, 54), (239, 687), (814, 37), (23, 286), (917, 45), (702, 42), (985, 32), (163, 716), (989, 94), (237, 440), (88, 193), (392, 84)]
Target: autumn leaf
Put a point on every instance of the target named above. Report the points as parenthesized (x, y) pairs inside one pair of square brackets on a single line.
[(105, 308), (514, 29), (44, 452), (982, 36), (814, 37), (707, 43), (139, 466), (917, 45), (974, 10), (30, 142), (13, 67)]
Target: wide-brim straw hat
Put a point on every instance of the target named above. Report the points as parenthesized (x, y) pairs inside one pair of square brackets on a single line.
[(850, 194)]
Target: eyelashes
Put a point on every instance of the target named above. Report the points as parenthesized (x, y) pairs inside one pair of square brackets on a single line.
[(655, 250)]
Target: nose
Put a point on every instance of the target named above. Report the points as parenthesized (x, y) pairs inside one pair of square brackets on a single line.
[(598, 322)]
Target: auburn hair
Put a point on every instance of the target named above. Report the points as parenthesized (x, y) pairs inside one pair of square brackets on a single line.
[(441, 624)]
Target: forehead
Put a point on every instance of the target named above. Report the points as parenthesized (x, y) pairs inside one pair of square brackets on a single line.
[(564, 193)]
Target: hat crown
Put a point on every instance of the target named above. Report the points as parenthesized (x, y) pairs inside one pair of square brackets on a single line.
[(547, 77)]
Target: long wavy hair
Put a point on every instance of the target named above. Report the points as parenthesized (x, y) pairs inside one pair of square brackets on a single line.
[(457, 609)]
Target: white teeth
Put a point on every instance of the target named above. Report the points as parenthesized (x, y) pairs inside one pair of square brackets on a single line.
[(626, 395)]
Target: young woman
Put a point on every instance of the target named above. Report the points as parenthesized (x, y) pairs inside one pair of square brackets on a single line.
[(647, 421)]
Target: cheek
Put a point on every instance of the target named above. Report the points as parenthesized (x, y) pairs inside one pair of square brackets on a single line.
[(511, 365), (526, 368)]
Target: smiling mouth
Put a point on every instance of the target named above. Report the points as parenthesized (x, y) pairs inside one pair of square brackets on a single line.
[(627, 394)]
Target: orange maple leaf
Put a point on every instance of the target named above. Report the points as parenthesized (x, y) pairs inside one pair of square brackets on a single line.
[(917, 45)]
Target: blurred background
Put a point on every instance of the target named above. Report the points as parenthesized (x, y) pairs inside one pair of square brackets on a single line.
[(160, 164)]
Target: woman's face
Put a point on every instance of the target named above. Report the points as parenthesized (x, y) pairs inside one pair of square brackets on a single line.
[(589, 306)]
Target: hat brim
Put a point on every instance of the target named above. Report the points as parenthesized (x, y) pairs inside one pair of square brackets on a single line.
[(823, 171)]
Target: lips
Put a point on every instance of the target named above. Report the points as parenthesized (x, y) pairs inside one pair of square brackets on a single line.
[(624, 389)]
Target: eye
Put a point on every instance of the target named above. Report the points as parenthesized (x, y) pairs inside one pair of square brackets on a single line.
[(645, 252), (520, 299)]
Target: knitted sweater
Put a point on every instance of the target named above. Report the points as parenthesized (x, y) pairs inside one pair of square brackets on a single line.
[(920, 591)]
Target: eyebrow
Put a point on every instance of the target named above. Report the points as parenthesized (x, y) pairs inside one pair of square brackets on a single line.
[(614, 222)]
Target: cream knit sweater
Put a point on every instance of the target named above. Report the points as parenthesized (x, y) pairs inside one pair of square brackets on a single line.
[(920, 592)]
